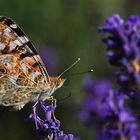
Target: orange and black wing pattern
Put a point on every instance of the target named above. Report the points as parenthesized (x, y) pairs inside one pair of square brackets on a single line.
[(14, 41), (22, 72)]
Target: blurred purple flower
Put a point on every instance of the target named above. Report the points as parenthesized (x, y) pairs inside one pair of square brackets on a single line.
[(48, 128), (123, 41), (96, 101), (50, 58), (104, 110)]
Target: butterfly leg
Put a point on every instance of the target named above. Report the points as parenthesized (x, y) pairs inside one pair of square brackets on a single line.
[(53, 104), (53, 101), (34, 112)]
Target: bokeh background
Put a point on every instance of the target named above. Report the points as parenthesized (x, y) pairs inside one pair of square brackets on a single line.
[(62, 31)]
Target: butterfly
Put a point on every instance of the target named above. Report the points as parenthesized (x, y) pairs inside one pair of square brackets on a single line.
[(23, 75)]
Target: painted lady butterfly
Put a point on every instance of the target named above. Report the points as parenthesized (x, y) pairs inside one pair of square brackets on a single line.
[(23, 76)]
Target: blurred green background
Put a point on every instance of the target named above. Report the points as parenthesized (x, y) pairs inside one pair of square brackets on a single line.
[(70, 28)]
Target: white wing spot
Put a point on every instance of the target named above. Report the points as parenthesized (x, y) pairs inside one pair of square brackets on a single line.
[(2, 46), (23, 39), (7, 30), (18, 42), (24, 68), (12, 45), (14, 26)]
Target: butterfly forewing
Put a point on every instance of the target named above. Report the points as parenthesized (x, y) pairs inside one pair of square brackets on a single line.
[(21, 42), (22, 71)]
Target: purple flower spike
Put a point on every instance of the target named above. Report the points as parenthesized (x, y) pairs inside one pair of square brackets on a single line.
[(109, 110), (47, 110), (96, 103), (105, 110), (114, 21), (48, 128), (123, 49)]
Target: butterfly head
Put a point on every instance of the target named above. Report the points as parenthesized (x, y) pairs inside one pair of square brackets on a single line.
[(56, 82)]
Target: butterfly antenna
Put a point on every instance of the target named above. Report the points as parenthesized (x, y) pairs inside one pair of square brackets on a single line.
[(84, 72), (69, 67)]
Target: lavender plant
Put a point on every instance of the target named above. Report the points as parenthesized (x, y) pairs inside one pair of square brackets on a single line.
[(105, 110), (49, 127), (123, 49), (108, 109)]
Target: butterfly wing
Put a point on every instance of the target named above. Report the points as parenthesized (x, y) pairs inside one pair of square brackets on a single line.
[(22, 43), (21, 68)]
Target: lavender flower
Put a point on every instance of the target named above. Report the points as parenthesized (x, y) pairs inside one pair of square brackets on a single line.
[(96, 101), (49, 127), (104, 109), (123, 41)]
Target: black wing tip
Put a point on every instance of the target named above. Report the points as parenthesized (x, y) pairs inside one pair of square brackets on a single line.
[(7, 20)]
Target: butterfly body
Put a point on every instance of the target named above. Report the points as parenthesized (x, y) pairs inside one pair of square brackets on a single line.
[(23, 76)]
